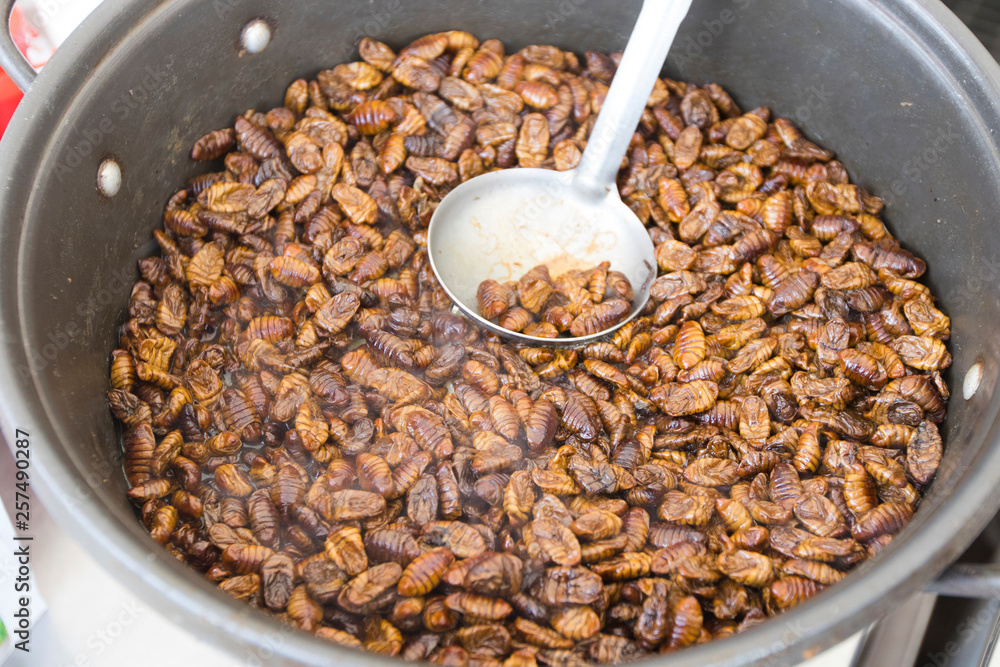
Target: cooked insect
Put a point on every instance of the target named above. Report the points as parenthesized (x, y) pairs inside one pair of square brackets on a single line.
[(592, 300)]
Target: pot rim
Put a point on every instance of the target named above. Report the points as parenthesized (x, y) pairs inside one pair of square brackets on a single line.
[(904, 568)]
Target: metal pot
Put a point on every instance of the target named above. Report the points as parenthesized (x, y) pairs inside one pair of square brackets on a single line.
[(898, 88)]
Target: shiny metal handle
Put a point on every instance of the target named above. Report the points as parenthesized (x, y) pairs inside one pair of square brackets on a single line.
[(641, 63), (12, 61), (900, 636), (964, 580)]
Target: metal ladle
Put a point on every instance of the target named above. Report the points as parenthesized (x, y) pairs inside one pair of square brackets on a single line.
[(501, 224)]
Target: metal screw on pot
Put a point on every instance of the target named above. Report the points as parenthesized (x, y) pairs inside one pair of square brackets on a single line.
[(972, 379), (109, 178), (255, 36)]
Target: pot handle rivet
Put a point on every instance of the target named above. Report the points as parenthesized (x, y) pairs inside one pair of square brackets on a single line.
[(972, 379), (109, 178), (256, 36)]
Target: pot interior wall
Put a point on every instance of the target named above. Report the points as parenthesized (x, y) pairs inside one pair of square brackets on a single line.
[(853, 80)]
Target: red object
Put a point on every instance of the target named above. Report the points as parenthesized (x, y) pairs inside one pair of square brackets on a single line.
[(10, 95)]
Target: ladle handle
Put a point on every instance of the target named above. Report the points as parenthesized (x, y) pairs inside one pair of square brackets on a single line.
[(641, 63)]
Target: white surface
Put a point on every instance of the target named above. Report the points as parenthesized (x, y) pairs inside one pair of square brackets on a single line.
[(56, 19), (94, 622), (840, 655)]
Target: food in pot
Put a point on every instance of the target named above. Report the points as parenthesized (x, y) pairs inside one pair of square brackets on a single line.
[(573, 304), (308, 425)]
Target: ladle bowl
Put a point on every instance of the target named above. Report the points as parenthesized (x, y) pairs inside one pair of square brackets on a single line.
[(500, 225)]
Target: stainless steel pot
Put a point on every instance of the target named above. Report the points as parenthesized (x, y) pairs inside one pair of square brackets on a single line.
[(898, 88)]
